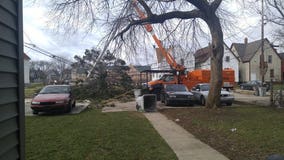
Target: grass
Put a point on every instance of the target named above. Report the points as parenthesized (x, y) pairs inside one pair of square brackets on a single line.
[(258, 131), (32, 89), (93, 135), (278, 86)]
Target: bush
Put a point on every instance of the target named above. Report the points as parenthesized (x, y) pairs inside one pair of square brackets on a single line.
[(93, 92)]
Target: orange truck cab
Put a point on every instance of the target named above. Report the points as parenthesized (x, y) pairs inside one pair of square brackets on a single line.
[(165, 79)]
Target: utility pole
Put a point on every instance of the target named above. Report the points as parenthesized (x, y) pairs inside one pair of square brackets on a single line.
[(262, 63)]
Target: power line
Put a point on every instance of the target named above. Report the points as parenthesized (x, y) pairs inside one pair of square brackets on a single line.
[(46, 53)]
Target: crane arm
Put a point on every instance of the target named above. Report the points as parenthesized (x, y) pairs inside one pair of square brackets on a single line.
[(169, 58)]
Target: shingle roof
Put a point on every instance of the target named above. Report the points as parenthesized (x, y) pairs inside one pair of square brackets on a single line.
[(246, 52), (26, 57), (142, 68), (281, 55), (202, 55)]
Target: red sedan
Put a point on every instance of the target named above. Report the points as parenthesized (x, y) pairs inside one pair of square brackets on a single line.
[(53, 98)]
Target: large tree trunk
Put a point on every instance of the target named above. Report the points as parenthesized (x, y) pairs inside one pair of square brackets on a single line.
[(217, 47)]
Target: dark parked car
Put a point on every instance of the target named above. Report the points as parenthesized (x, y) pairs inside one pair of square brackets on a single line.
[(201, 90), (53, 98), (176, 94), (253, 85)]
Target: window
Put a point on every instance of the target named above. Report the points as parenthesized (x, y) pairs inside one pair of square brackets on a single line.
[(269, 58), (169, 78), (227, 58), (271, 73)]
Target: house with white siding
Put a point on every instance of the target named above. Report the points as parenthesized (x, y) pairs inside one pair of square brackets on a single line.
[(249, 53), (180, 56), (230, 60), (27, 68)]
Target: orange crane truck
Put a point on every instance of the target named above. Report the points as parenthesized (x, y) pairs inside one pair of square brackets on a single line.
[(179, 75)]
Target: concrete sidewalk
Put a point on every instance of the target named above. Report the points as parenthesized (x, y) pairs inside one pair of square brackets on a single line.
[(184, 144)]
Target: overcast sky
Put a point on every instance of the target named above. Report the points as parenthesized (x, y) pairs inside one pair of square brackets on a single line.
[(36, 31)]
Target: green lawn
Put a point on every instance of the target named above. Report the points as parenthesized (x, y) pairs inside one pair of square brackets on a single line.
[(278, 86), (93, 135), (240, 133)]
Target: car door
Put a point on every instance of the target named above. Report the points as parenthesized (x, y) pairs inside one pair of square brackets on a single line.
[(196, 92)]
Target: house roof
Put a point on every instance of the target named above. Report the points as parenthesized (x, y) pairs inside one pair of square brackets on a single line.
[(202, 54), (142, 68), (26, 57), (247, 51), (281, 55)]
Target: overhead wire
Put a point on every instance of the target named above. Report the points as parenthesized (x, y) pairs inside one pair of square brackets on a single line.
[(46, 53)]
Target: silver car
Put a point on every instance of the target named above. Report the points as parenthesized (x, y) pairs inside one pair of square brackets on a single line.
[(201, 90)]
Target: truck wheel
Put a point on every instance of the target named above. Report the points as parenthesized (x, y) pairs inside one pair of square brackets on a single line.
[(203, 101)]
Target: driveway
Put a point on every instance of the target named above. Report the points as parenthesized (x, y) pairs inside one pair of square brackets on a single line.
[(252, 99), (80, 106)]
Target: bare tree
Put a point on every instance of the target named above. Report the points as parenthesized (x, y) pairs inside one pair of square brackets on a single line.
[(175, 20), (275, 15)]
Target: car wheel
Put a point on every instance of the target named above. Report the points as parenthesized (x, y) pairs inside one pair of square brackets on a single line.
[(35, 112), (137, 107), (229, 103), (69, 108), (74, 104), (162, 99), (242, 87), (203, 101), (167, 103)]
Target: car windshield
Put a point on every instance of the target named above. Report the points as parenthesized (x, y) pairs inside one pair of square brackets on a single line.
[(204, 87), (55, 89), (180, 88)]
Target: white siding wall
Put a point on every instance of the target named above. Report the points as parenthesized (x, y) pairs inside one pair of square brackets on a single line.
[(26, 71), (189, 62), (178, 53), (206, 64), (232, 63), (275, 65)]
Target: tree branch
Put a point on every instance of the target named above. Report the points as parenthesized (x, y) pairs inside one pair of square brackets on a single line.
[(162, 18), (276, 6), (215, 4), (146, 7), (203, 5)]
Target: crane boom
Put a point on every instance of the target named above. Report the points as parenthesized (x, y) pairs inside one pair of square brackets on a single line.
[(169, 58)]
